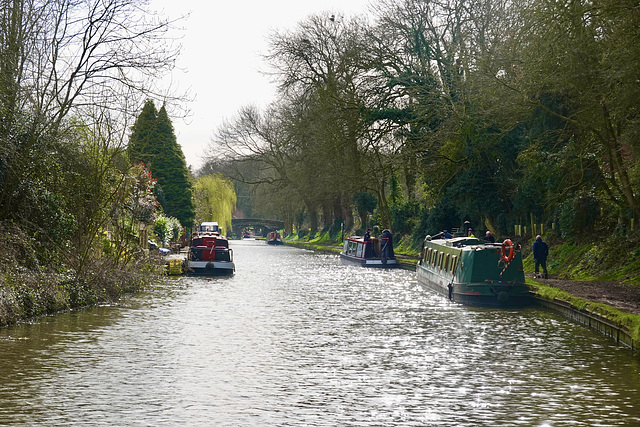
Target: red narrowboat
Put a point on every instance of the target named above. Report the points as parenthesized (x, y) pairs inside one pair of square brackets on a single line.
[(209, 253)]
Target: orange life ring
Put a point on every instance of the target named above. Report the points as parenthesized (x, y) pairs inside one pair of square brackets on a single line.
[(503, 252)]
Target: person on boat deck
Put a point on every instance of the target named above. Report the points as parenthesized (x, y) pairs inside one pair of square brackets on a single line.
[(368, 248), (387, 243), (448, 235), (540, 253), (470, 233), (489, 237)]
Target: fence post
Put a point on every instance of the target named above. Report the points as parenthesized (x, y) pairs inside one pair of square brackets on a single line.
[(533, 226)]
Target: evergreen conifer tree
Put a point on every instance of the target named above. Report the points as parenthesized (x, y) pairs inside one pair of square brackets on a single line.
[(153, 142), (172, 172), (142, 147)]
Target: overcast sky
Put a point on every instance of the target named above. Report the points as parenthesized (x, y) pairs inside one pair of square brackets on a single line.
[(222, 44)]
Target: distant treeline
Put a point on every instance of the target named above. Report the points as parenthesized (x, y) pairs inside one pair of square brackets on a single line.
[(433, 113)]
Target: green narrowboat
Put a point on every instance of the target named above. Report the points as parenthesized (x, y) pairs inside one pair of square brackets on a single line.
[(474, 272)]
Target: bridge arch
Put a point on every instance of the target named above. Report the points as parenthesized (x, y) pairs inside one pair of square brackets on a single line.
[(266, 225)]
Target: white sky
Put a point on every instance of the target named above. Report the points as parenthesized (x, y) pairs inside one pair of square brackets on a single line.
[(222, 43)]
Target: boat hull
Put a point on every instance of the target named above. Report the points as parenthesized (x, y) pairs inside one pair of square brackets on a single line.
[(494, 295), (371, 262), (210, 268)]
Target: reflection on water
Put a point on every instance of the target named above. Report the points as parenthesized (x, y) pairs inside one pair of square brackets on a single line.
[(296, 338)]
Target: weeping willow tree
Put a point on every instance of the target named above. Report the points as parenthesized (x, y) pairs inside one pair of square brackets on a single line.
[(215, 200)]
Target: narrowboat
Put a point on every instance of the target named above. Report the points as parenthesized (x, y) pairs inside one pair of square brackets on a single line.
[(369, 253), (274, 238), (474, 272), (209, 253)]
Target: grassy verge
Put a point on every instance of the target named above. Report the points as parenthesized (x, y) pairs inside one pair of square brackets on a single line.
[(612, 258), (627, 321)]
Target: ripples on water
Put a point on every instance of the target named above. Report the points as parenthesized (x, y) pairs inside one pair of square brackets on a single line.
[(297, 338)]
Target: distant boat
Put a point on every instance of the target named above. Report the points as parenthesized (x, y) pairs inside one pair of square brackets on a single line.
[(474, 272), (209, 252), (274, 238), (369, 253)]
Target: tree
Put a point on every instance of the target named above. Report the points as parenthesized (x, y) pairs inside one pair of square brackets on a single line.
[(215, 200), (171, 171), (142, 142), (64, 57), (585, 53), (365, 204), (154, 143), (319, 68)]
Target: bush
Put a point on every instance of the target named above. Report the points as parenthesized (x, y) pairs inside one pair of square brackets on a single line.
[(578, 216), (404, 217)]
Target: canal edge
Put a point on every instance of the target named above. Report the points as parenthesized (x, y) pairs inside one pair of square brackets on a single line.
[(620, 333)]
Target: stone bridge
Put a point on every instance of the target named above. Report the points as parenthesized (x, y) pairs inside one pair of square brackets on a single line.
[(265, 225)]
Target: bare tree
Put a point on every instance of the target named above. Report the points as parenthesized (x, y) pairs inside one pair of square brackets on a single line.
[(63, 57)]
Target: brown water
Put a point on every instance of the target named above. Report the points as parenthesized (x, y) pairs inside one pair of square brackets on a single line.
[(298, 339)]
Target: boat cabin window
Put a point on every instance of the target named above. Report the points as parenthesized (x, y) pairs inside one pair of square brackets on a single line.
[(350, 247), (434, 255), (454, 259), (441, 260), (446, 262), (209, 228), (427, 254)]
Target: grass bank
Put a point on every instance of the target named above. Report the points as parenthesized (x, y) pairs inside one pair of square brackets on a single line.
[(611, 258), (626, 321)]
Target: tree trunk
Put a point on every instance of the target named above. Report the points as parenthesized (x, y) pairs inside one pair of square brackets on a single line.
[(327, 215), (618, 165)]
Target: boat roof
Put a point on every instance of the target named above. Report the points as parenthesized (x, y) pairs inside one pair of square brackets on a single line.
[(358, 238), (208, 229), (461, 241)]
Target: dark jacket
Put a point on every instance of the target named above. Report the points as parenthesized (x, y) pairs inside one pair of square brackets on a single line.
[(387, 244), (540, 250)]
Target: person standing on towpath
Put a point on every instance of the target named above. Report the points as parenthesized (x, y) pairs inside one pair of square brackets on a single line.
[(540, 253)]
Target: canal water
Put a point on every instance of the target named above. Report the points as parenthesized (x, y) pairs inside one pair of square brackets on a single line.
[(299, 339)]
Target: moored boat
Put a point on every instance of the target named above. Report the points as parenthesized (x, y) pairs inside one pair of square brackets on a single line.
[(274, 238), (474, 272), (209, 253), (369, 252)]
